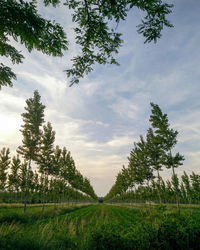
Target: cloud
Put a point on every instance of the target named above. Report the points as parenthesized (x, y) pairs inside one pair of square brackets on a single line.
[(120, 141)]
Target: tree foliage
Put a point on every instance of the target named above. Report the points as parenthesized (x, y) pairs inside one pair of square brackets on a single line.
[(151, 155), (20, 21), (55, 178), (94, 33), (31, 129), (4, 165)]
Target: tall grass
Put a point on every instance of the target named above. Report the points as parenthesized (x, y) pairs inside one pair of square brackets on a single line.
[(99, 227)]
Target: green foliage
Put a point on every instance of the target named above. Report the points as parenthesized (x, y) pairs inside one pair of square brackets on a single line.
[(31, 129), (98, 40), (4, 165), (168, 139), (13, 178), (139, 163), (21, 21), (6, 76), (179, 232), (161, 208), (165, 231), (149, 155), (57, 178), (99, 227), (45, 155)]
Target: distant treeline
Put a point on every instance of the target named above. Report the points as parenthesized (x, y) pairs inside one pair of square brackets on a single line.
[(188, 188)]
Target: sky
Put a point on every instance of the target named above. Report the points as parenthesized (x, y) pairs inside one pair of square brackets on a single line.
[(99, 119)]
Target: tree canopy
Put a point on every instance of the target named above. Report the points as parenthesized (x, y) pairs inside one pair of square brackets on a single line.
[(150, 155), (98, 41)]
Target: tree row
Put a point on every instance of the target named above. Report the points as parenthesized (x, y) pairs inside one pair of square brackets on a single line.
[(141, 179), (41, 172)]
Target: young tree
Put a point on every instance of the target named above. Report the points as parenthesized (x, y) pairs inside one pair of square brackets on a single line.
[(88, 189), (139, 164), (175, 184), (31, 131), (186, 182), (64, 171), (36, 186), (55, 172), (168, 140), (183, 193), (4, 165), (45, 155), (169, 190), (94, 34), (155, 154), (195, 184), (23, 176), (13, 177)]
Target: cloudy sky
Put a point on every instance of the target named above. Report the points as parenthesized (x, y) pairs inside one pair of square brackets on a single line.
[(100, 119)]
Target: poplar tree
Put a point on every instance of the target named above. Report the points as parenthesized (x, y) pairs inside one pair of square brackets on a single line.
[(36, 186), (144, 161), (4, 165), (168, 139), (31, 132), (23, 178), (45, 156), (120, 184), (195, 183), (186, 182), (155, 153), (13, 177), (64, 170), (55, 171), (135, 166), (184, 197), (139, 164)]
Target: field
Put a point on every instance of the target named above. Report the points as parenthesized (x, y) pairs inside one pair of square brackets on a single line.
[(99, 226)]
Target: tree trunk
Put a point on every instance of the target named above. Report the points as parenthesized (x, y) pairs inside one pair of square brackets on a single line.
[(25, 200), (149, 196), (54, 200), (26, 188), (43, 194), (159, 196), (177, 194), (43, 198)]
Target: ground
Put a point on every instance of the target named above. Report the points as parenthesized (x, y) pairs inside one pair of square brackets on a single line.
[(99, 226)]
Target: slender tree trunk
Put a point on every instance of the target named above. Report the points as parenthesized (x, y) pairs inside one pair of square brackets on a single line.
[(43, 198), (149, 195), (25, 200), (177, 194), (63, 199), (21, 194), (11, 197), (54, 200), (26, 188), (159, 195), (43, 194), (135, 196)]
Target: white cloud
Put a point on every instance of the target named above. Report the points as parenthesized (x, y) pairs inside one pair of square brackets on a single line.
[(120, 141), (125, 108)]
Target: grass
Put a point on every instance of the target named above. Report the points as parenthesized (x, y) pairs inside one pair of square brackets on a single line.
[(99, 226)]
